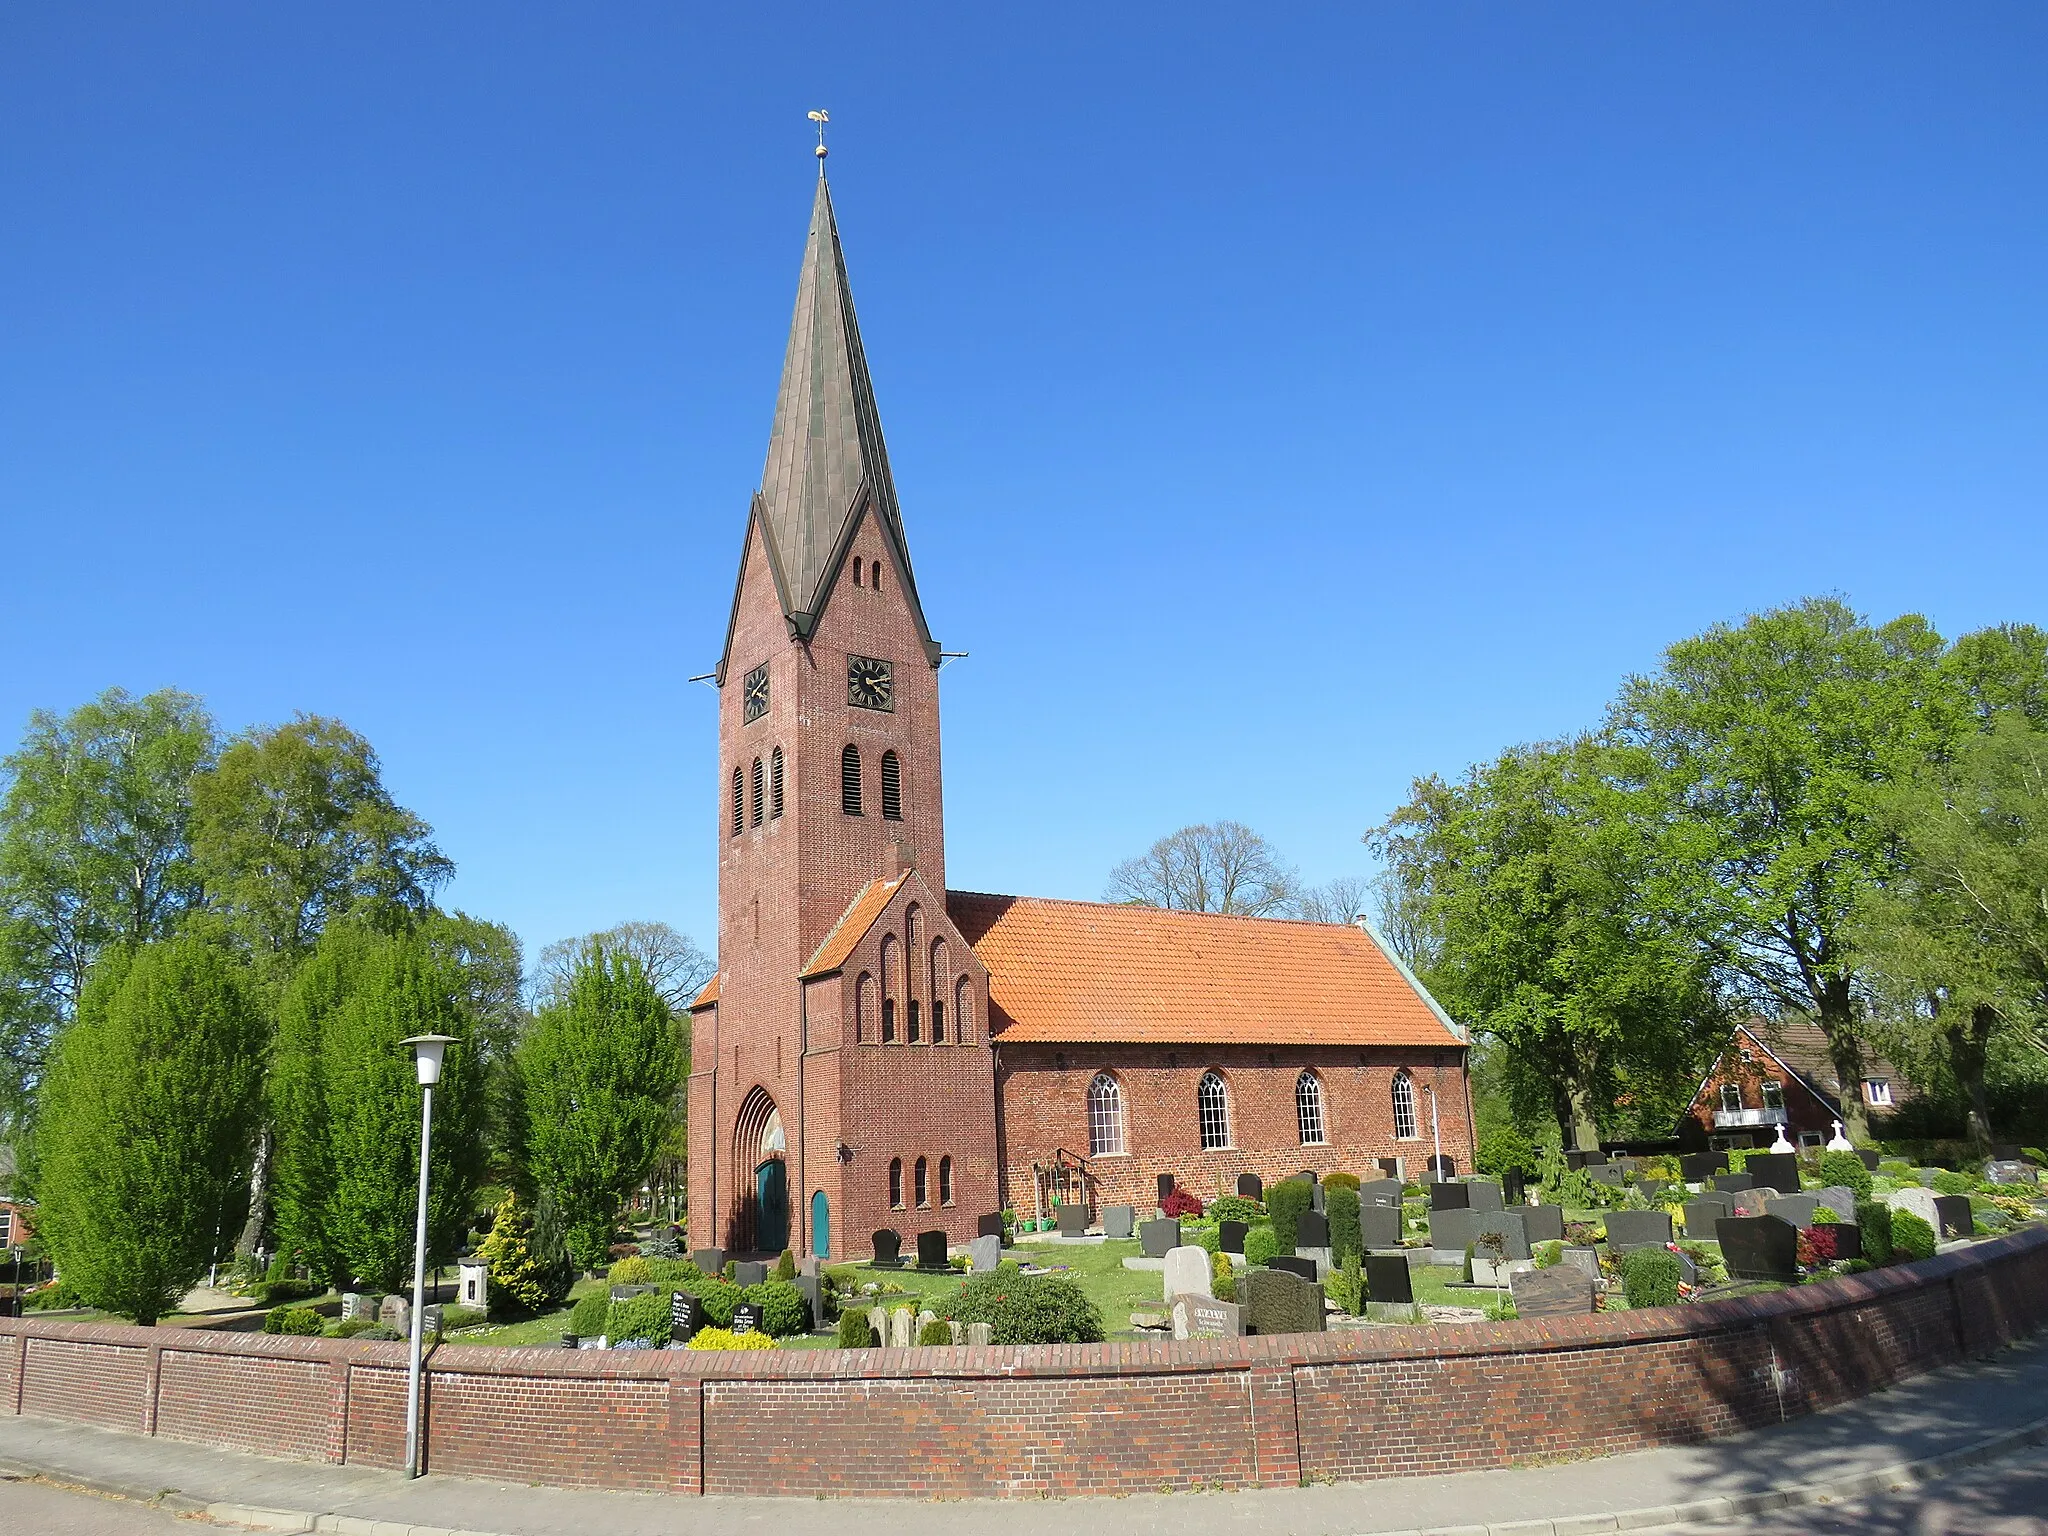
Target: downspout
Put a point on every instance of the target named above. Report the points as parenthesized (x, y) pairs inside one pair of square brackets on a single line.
[(803, 1165)]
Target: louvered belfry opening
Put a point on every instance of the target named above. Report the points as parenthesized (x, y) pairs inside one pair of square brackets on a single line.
[(757, 791), (739, 805), (892, 788), (775, 784), (849, 780)]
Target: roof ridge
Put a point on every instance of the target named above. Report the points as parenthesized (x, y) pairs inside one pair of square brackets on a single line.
[(1136, 906)]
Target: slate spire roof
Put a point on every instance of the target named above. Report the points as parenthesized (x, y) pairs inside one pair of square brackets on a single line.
[(827, 463)]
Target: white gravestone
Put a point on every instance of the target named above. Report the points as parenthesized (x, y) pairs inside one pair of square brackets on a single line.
[(1917, 1200), (900, 1325), (984, 1254), (1187, 1272), (474, 1287)]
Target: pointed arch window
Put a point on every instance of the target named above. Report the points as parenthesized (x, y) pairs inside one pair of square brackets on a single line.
[(945, 1181), (1212, 1111), (1308, 1109), (757, 792), (938, 991), (892, 788), (924, 1192), (739, 805), (892, 980), (1406, 1126), (895, 1183), (856, 570), (775, 784), (1105, 1117), (963, 1011), (864, 1009), (849, 780)]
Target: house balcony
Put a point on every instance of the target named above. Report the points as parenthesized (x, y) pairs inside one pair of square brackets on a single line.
[(1741, 1119)]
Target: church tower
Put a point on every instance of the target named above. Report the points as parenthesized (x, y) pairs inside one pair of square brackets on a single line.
[(845, 1029)]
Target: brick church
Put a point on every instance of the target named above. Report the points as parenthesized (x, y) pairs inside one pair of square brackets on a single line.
[(877, 1050)]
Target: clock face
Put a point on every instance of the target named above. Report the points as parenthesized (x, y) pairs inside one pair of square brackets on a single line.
[(754, 694), (870, 684)]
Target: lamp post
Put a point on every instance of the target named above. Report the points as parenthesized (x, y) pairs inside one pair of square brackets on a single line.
[(427, 1054), (1436, 1166)]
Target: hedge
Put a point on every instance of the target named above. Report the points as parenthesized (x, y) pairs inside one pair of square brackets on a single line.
[(1285, 1203), (1649, 1277)]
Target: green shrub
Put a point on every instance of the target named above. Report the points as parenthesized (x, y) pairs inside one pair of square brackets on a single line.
[(1347, 1286), (377, 1333), (1649, 1277), (1260, 1244), (1912, 1238), (58, 1297), (1947, 1183), (784, 1310), (645, 1316), (633, 1271), (1236, 1208), (785, 1267), (855, 1331), (719, 1338), (453, 1318), (1896, 1168), (1548, 1254), (1846, 1169), (1285, 1203), (937, 1331), (1222, 1277), (719, 1298), (1504, 1147), (348, 1328), (587, 1319), (1824, 1216), (1029, 1309), (1874, 1219), (300, 1320), (2035, 1156), (680, 1273), (523, 1281), (275, 1293), (660, 1244), (1346, 1237), (1202, 1236)]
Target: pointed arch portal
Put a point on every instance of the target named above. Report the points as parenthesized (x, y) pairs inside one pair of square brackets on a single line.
[(761, 1221)]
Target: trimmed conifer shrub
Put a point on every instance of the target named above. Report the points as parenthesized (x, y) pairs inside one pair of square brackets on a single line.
[(855, 1331), (1874, 1218), (1847, 1170), (1912, 1238), (1649, 1277), (1285, 1203)]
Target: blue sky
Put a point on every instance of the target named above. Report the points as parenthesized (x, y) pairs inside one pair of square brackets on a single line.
[(1284, 403)]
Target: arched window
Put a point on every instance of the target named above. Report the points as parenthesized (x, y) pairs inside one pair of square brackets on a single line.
[(924, 1193), (1308, 1109), (1405, 1125), (739, 806), (875, 575), (1105, 1117), (757, 791), (945, 1181), (963, 1010), (1212, 1107), (849, 780), (892, 788), (916, 1030), (895, 1183), (856, 570), (864, 1008), (888, 1021), (775, 784), (892, 982), (938, 991)]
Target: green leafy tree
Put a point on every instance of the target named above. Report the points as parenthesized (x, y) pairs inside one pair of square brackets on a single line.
[(147, 1122), (600, 1069), (1776, 740)]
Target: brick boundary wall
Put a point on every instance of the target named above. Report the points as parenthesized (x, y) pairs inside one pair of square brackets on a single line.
[(1051, 1419)]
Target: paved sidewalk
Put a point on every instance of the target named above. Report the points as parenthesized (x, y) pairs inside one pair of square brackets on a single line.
[(1934, 1415)]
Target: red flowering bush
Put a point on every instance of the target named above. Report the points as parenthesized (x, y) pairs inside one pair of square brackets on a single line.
[(1819, 1245), (1179, 1202)]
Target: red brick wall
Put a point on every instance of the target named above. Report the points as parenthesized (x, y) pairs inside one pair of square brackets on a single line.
[(1108, 1418), (1044, 1092)]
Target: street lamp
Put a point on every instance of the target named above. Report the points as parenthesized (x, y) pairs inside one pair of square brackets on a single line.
[(427, 1054), (1436, 1166)]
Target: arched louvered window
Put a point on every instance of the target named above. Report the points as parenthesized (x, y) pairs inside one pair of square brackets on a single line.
[(892, 788), (775, 784), (849, 780), (758, 786), (945, 1181), (739, 804), (963, 1010), (1212, 1110), (1308, 1109), (895, 1183), (924, 1193), (1105, 1117), (1406, 1127)]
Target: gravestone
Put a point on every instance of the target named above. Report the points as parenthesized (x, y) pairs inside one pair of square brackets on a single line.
[(1230, 1236), (1165, 1187), (1452, 1232), (1294, 1264), (1797, 1209), (395, 1312), (1870, 1158), (1953, 1217), (1840, 1199), (1514, 1186), (355, 1304), (1637, 1229), (685, 1316), (984, 1254), (749, 1272), (1510, 1237), (710, 1260), (1586, 1259), (1312, 1231), (902, 1328), (989, 1225), (1187, 1273), (430, 1319), (1276, 1301), (931, 1250), (1251, 1187), (1072, 1220), (1395, 1168), (2010, 1171), (1204, 1317), (1315, 1189), (1846, 1236), (1927, 1176), (472, 1283), (1443, 1167), (1450, 1197), (1388, 1278), (1381, 1192), (1379, 1226), (1780, 1170), (1543, 1223), (1758, 1247), (1732, 1183), (1563, 1290), (1496, 1272), (978, 1334), (628, 1292), (888, 1249), (1753, 1202), (812, 1288), (1119, 1221), (1484, 1195), (878, 1320), (1701, 1214), (746, 1318), (1920, 1202), (1699, 1167), (1158, 1238), (1607, 1173)]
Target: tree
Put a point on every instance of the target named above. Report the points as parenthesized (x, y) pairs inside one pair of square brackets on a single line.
[(1775, 740), (1219, 866), (673, 962), (93, 853), (1563, 923), (601, 1068), (147, 1121), (1342, 900)]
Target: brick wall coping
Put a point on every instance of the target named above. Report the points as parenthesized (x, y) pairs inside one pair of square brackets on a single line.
[(1120, 1358)]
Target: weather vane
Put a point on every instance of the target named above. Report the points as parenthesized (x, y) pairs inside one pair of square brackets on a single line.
[(821, 119)]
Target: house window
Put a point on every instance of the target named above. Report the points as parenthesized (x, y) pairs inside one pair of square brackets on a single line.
[(1308, 1109), (1105, 1117), (895, 1183), (849, 780), (757, 791), (924, 1194), (775, 784), (1212, 1109), (1404, 1107), (945, 1181), (6, 1229), (1878, 1091), (739, 804), (1811, 1139), (1731, 1097), (1774, 1094), (892, 788)]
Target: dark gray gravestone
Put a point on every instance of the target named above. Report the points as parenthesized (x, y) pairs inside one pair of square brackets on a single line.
[(746, 1318), (1758, 1247), (931, 1250), (685, 1316), (1294, 1264), (1251, 1187), (1312, 1231), (1954, 1218), (1514, 1186), (1230, 1235), (1701, 1214), (812, 1289), (1731, 1183), (1846, 1236), (1276, 1301), (628, 1292), (1563, 1290), (1381, 1192), (1387, 1278), (710, 1260), (1607, 1173), (1797, 1209), (1379, 1226), (1315, 1188), (1870, 1159), (1780, 1170), (888, 1249), (1543, 1223), (1484, 1195), (1637, 1229), (1071, 1219), (1157, 1238), (1699, 1167), (1165, 1185), (1441, 1167), (990, 1225), (1507, 1227), (1450, 1197), (1586, 1259), (1119, 1221), (749, 1272), (1451, 1232)]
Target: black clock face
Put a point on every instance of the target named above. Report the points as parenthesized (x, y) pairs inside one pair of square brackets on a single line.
[(870, 684), (754, 694)]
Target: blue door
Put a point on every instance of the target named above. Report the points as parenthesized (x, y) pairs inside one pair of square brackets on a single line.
[(771, 1189), (821, 1225)]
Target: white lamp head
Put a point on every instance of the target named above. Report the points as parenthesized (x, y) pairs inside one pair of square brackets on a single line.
[(427, 1054)]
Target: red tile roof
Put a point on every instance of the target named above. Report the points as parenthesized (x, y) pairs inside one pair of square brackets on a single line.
[(709, 995), (1087, 971), (854, 925)]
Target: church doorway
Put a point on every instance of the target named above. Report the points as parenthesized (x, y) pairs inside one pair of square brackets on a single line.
[(760, 1220), (771, 1201), (821, 1225)]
